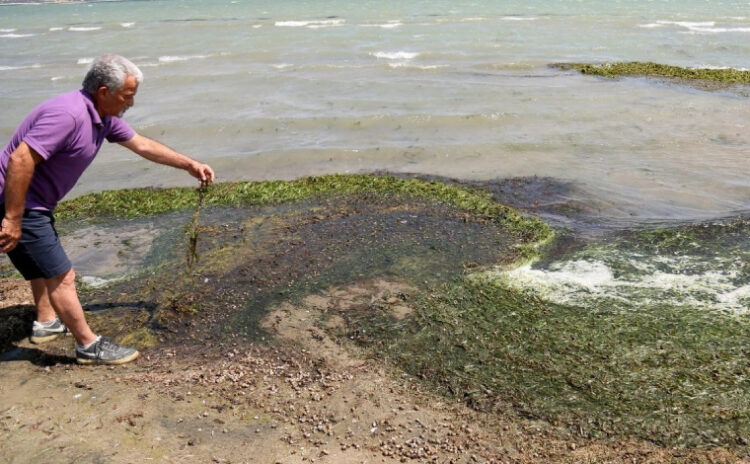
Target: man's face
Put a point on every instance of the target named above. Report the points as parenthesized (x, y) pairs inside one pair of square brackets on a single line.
[(116, 103)]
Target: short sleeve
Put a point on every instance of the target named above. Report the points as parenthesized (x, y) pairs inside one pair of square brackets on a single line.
[(119, 131), (50, 132)]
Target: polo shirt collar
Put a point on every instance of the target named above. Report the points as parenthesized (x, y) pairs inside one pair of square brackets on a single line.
[(95, 118)]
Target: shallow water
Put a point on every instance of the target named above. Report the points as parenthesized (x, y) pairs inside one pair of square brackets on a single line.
[(284, 89)]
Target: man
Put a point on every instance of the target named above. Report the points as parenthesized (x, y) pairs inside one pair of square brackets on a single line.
[(41, 163)]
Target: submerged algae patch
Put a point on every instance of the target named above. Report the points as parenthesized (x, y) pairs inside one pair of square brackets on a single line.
[(262, 243), (638, 333), (674, 376), (705, 79), (150, 202)]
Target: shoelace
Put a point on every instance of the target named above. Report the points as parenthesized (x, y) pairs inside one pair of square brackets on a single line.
[(105, 344)]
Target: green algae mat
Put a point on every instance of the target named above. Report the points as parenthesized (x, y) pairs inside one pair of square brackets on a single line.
[(676, 375), (667, 363), (703, 78), (256, 244)]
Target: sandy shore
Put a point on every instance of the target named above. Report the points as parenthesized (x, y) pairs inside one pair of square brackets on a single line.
[(305, 397)]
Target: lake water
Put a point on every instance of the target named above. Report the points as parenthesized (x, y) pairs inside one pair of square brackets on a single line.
[(289, 88)]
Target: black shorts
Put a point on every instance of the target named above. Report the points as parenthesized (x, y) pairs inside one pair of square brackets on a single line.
[(39, 252)]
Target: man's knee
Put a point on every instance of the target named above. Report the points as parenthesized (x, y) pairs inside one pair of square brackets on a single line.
[(66, 279)]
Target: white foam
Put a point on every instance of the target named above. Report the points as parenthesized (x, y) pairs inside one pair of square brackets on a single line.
[(178, 58), (257, 26), (321, 26), (8, 30), (401, 55), (291, 23), (84, 29), (16, 36), (697, 27), (388, 25), (519, 18), (576, 275), (282, 65), (413, 66), (718, 30), (126, 25), (56, 28), (86, 60), (688, 24), (685, 24), (581, 281), (313, 24), (56, 78), (738, 294), (13, 68), (93, 281)]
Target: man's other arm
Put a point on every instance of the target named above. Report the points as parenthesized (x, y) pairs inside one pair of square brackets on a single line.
[(162, 154), (21, 167)]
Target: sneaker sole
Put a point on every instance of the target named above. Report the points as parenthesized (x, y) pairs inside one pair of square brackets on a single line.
[(45, 339), (113, 362)]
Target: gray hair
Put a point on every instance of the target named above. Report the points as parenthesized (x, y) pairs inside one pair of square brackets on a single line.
[(110, 71)]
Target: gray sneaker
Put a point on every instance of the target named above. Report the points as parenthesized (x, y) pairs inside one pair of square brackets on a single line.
[(104, 351), (43, 332)]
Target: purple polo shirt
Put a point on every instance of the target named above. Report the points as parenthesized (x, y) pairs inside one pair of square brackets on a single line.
[(67, 132)]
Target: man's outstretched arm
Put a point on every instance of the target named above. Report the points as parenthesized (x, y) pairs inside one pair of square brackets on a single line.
[(162, 154)]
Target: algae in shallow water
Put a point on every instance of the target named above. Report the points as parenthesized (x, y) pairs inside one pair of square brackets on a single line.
[(724, 77), (149, 202), (663, 363), (672, 375), (191, 230), (287, 239)]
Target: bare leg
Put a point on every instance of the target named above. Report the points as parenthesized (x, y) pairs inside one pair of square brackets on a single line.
[(61, 292), (44, 310)]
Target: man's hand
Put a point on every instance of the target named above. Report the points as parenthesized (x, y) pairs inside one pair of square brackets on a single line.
[(201, 171), (10, 234)]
